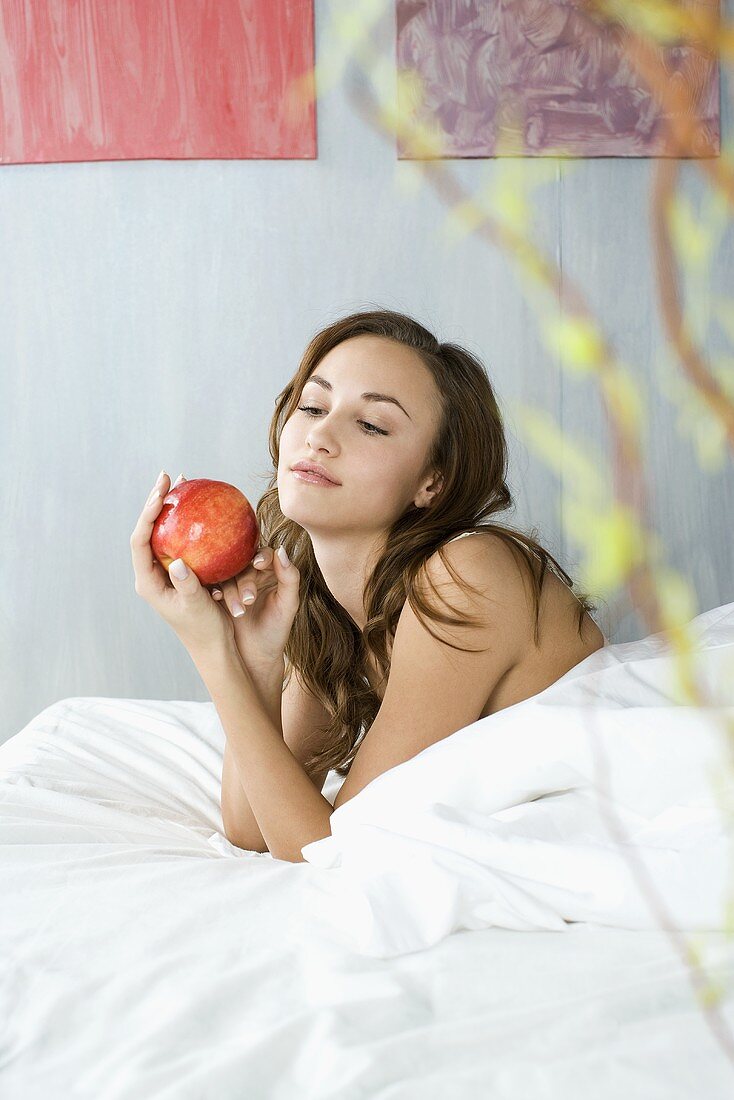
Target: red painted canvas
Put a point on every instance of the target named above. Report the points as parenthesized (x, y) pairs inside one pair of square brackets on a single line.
[(136, 79), (543, 78)]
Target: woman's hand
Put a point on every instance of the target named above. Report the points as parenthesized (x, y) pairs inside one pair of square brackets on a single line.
[(184, 603), (263, 628)]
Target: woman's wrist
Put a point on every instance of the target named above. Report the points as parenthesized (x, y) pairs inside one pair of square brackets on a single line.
[(225, 666), (267, 680), (265, 670)]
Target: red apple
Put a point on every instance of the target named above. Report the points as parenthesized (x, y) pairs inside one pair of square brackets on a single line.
[(211, 525)]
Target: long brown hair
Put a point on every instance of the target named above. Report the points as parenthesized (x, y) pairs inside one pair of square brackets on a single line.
[(326, 647)]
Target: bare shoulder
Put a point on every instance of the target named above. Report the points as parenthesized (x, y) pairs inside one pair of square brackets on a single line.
[(441, 674), (494, 572)]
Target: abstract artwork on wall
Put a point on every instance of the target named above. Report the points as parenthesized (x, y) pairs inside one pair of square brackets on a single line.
[(485, 78), (88, 80)]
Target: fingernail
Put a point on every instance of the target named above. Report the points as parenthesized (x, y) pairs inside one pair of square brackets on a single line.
[(237, 609), (248, 597), (154, 496), (160, 477), (285, 560), (179, 569), (258, 559)]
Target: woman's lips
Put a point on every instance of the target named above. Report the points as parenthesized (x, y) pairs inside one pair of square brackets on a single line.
[(314, 479)]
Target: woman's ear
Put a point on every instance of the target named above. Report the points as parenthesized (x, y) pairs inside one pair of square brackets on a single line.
[(428, 494)]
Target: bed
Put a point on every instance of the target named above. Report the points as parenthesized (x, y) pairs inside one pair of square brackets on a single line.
[(465, 939)]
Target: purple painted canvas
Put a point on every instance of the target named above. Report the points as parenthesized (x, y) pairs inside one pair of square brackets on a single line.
[(543, 78)]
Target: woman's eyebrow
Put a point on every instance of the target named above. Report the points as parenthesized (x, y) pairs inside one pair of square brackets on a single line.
[(367, 396)]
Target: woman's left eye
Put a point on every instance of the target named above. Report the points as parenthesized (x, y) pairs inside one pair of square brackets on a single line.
[(311, 410)]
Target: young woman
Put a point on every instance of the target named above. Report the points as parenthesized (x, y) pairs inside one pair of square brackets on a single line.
[(408, 432)]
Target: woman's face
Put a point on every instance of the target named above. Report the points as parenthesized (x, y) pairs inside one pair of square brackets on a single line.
[(376, 449)]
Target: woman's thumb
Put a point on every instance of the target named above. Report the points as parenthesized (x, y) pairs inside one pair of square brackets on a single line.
[(288, 582), (183, 579), (285, 566), (288, 576)]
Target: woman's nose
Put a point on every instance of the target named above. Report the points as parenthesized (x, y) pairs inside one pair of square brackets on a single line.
[(320, 437), (315, 445)]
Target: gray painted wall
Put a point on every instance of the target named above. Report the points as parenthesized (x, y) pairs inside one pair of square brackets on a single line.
[(151, 311)]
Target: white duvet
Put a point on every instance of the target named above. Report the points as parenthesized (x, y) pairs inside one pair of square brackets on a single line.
[(142, 955), (606, 798)]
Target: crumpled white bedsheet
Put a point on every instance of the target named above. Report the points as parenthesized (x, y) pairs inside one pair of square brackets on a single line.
[(142, 955), (602, 799)]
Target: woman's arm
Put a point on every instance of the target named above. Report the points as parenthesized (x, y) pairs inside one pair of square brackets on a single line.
[(289, 810), (302, 721), (240, 826)]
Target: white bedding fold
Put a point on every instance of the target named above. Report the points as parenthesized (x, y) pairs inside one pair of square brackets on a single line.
[(141, 959), (600, 800)]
